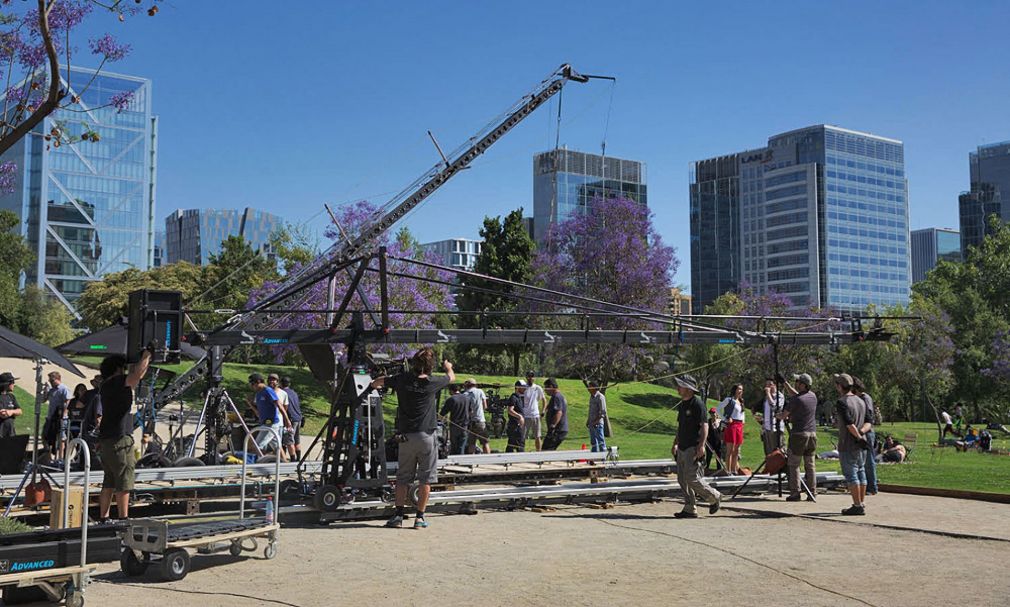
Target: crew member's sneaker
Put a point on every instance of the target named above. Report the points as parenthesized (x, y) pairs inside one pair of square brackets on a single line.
[(714, 507), (420, 523), (854, 510), (396, 522), (793, 498), (683, 514)]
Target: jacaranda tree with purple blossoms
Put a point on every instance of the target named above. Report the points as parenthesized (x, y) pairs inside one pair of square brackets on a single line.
[(424, 295), (37, 44), (610, 253)]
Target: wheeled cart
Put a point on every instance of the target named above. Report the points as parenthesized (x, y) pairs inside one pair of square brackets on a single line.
[(149, 541), (64, 583)]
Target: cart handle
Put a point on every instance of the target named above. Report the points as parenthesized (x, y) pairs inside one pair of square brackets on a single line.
[(77, 443)]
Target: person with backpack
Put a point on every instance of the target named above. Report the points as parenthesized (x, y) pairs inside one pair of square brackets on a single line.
[(732, 412), (871, 437)]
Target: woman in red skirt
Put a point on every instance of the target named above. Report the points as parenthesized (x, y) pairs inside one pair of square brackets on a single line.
[(732, 411)]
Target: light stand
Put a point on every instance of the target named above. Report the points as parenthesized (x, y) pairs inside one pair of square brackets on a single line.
[(33, 468)]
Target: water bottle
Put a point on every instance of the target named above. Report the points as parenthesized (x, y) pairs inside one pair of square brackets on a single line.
[(270, 511)]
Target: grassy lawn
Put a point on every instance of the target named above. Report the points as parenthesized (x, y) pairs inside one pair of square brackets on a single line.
[(644, 422)]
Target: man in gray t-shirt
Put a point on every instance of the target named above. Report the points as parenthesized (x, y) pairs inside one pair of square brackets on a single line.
[(801, 411)]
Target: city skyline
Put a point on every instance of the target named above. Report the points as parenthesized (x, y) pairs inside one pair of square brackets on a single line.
[(674, 102)]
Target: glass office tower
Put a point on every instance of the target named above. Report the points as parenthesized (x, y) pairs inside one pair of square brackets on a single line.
[(715, 229), (566, 181), (87, 207), (989, 166), (931, 246), (823, 219), (194, 235)]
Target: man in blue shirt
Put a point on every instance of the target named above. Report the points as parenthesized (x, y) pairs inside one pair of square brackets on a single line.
[(59, 396), (269, 414)]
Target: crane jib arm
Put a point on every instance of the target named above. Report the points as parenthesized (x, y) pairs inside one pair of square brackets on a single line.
[(427, 185)]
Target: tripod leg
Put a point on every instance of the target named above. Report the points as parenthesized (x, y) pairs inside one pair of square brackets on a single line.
[(248, 433), (199, 422), (749, 479)]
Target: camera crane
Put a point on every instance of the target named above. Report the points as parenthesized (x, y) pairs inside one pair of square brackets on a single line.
[(354, 455)]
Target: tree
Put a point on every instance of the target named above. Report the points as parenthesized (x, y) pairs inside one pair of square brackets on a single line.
[(427, 293), (16, 256), (35, 43), (44, 318), (105, 301), (294, 246), (611, 253), (975, 296), (506, 253)]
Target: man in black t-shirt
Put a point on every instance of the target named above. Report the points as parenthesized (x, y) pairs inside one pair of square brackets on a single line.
[(515, 430), (9, 407), (415, 424), (115, 432), (689, 449), (556, 416), (457, 407)]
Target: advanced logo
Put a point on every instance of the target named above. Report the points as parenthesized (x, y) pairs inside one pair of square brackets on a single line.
[(28, 565), (4, 566)]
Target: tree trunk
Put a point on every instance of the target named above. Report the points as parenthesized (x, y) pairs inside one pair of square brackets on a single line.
[(515, 360)]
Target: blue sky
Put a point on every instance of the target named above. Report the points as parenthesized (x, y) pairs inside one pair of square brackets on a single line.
[(288, 105)]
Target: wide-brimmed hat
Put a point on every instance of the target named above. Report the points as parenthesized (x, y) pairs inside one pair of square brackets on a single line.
[(686, 381), (7, 378)]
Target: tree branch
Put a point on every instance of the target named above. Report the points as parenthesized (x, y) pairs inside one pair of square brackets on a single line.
[(52, 98)]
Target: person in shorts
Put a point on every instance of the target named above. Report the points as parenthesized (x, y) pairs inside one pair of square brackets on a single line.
[(115, 432), (269, 413), (850, 413), (416, 392), (288, 432), (296, 417), (534, 403)]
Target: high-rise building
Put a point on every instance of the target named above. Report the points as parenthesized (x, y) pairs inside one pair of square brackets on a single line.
[(566, 181), (194, 235), (87, 208), (455, 252), (823, 216), (931, 246), (989, 166), (680, 302), (715, 229), (158, 258)]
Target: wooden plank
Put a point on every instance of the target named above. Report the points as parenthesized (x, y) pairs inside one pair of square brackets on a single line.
[(30, 578), (223, 537)]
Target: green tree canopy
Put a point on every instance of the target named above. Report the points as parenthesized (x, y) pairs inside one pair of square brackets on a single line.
[(16, 256), (104, 302), (44, 318)]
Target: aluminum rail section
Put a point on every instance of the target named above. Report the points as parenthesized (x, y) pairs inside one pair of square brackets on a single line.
[(192, 473), (467, 501)]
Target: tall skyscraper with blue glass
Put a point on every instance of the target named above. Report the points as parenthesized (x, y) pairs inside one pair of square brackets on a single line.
[(566, 181), (87, 208), (194, 235), (931, 246), (989, 166), (823, 219)]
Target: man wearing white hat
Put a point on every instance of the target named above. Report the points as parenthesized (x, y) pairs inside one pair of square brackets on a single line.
[(689, 449)]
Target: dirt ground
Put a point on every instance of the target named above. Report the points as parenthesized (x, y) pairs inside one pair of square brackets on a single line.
[(627, 555)]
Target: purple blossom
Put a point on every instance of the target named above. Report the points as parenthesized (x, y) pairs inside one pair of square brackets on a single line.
[(121, 101), (15, 94), (32, 56), (8, 177), (404, 293), (108, 47), (1000, 367)]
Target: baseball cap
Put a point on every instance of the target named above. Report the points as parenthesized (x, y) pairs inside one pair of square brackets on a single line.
[(843, 378), (550, 382), (711, 409), (520, 383), (804, 378), (255, 378), (274, 376), (470, 382), (530, 374)]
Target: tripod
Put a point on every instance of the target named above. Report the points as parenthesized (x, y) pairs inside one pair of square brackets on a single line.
[(218, 401), (33, 469)]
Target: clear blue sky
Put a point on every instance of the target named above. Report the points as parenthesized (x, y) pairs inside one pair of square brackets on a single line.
[(287, 105)]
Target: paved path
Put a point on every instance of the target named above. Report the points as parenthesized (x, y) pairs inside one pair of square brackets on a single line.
[(628, 555)]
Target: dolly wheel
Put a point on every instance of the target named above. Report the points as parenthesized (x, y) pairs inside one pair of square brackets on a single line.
[(131, 565), (270, 551), (327, 498), (236, 548), (175, 564), (75, 599)]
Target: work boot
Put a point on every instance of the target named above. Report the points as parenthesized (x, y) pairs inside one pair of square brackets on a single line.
[(854, 510), (793, 498), (684, 514), (714, 506)]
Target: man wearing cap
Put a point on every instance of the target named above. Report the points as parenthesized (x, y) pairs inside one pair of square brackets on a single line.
[(850, 411), (597, 411), (457, 409), (689, 450), (478, 423), (535, 401), (288, 433), (9, 408), (268, 413), (515, 429), (801, 412), (58, 397), (556, 416)]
